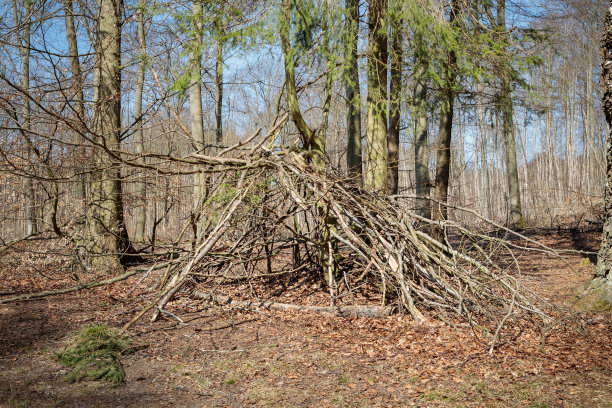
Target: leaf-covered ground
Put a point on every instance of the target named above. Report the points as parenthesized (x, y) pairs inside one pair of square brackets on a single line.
[(224, 357)]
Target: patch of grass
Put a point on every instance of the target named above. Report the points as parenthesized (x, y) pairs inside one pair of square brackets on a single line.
[(264, 394), (202, 382), (344, 379), (14, 402), (338, 400), (434, 395), (539, 405), (230, 381), (95, 352)]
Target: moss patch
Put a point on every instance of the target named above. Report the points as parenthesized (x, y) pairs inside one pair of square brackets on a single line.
[(589, 297), (95, 352)]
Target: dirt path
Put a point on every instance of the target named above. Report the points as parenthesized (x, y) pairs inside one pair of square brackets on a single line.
[(233, 358)]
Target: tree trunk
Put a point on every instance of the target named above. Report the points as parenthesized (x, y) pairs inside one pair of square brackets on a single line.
[(314, 142), (485, 204), (376, 133), (604, 260), (108, 240), (77, 84), (443, 151), (141, 189), (353, 95), (195, 107), (23, 39), (421, 154), (507, 111), (219, 93), (395, 98)]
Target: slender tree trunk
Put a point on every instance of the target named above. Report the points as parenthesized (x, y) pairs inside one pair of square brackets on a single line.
[(219, 93), (329, 78), (314, 142), (443, 147), (353, 95), (377, 153), (604, 261), (108, 239), (77, 84), (507, 111), (395, 97), (195, 107), (141, 189), (23, 39), (421, 154), (484, 159)]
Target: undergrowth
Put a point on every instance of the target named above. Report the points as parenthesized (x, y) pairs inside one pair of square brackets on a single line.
[(95, 352)]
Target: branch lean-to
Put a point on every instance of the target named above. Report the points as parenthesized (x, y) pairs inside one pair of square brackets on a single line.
[(266, 224)]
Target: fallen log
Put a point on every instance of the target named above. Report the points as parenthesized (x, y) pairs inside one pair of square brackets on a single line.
[(31, 296), (342, 311)]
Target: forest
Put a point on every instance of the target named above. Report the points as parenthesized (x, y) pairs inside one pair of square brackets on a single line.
[(306, 203)]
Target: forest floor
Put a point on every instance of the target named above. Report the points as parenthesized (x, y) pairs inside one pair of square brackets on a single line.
[(227, 357)]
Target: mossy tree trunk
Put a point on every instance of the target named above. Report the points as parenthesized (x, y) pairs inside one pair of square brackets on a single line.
[(604, 262), (353, 94), (376, 133), (108, 241), (312, 141)]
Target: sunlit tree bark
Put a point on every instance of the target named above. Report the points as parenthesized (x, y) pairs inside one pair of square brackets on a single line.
[(377, 153), (24, 28), (141, 189), (77, 85), (604, 261), (507, 112), (195, 105), (108, 241)]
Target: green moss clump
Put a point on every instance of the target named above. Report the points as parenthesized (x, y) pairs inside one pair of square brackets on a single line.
[(95, 352), (601, 305)]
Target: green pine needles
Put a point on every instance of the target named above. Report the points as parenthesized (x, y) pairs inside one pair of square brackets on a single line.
[(95, 353)]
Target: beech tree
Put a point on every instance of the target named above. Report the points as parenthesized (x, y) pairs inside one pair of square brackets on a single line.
[(107, 240), (352, 92), (23, 21), (377, 150)]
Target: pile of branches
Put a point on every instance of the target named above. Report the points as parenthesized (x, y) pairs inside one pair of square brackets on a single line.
[(267, 211), (272, 208)]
